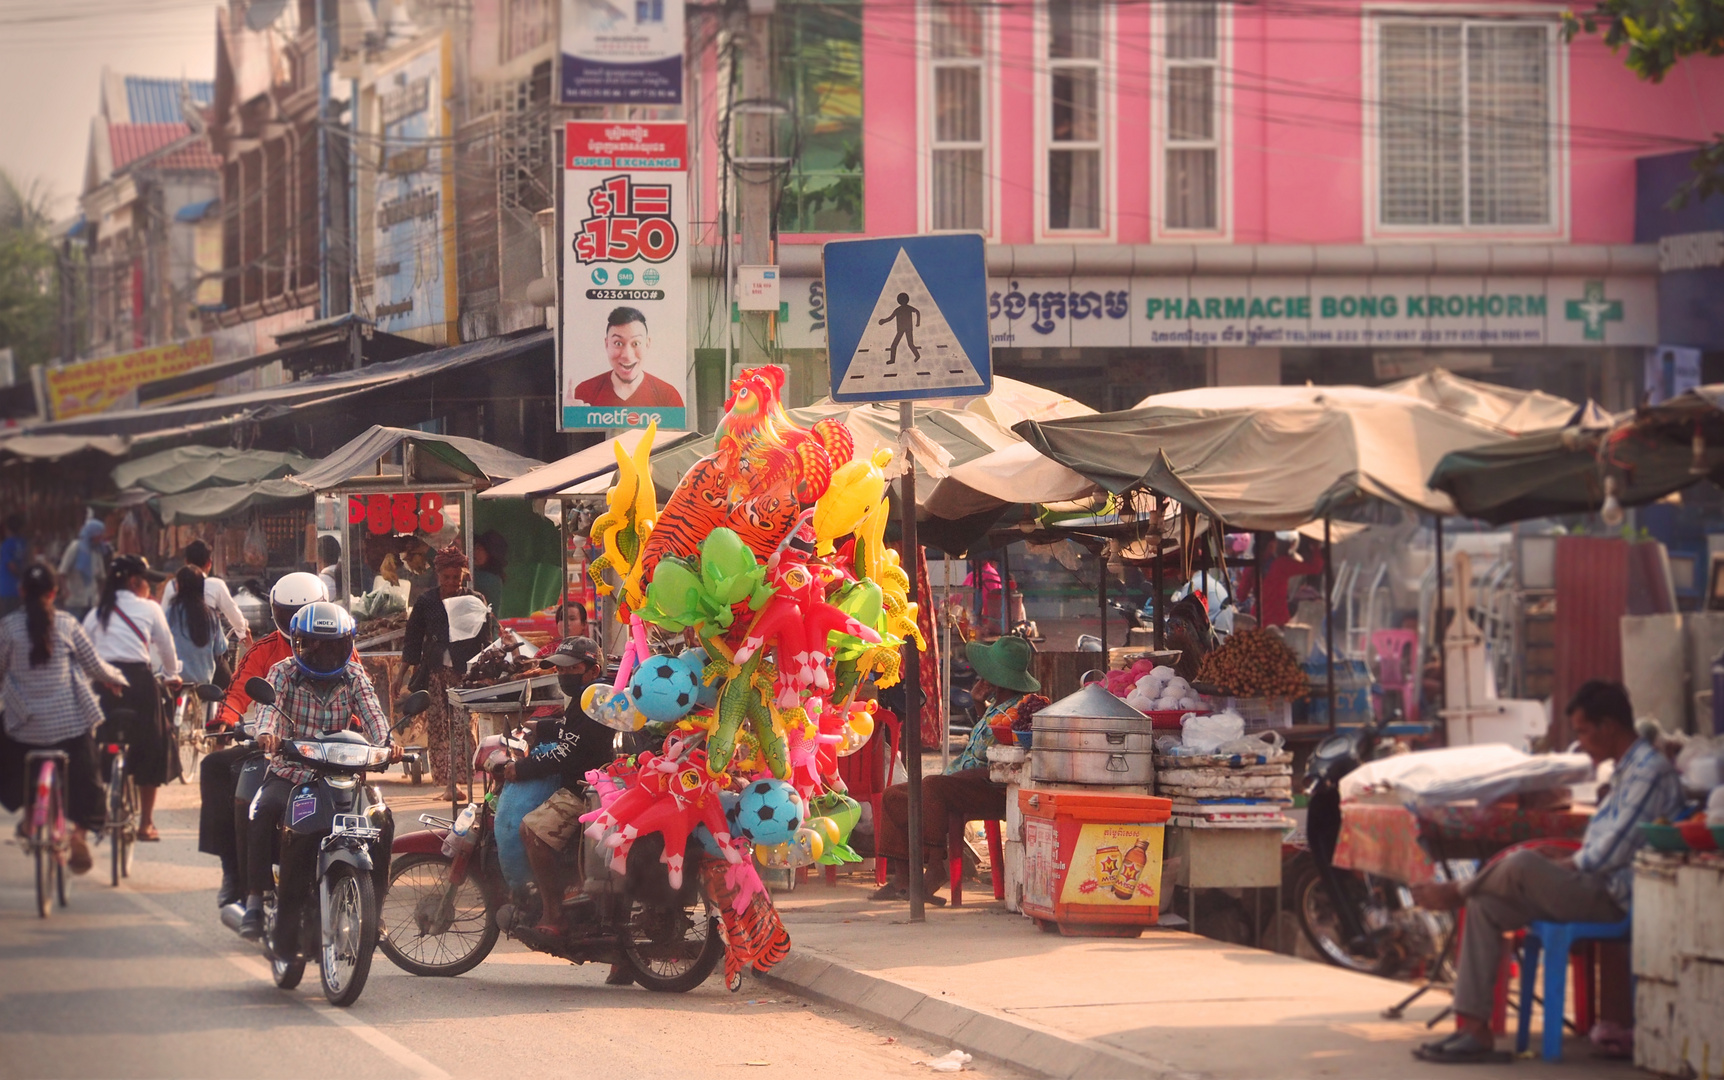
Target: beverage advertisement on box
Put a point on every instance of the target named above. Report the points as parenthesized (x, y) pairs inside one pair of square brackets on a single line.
[(623, 345), (618, 52), (1115, 866)]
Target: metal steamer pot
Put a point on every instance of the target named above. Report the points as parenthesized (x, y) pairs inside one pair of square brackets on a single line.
[(1092, 737)]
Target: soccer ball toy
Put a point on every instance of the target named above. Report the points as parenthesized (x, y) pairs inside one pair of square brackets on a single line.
[(770, 812), (695, 659), (662, 690)]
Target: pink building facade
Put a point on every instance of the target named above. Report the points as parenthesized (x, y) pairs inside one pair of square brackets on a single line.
[(1187, 193)]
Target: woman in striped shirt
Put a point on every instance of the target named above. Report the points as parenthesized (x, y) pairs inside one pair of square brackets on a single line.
[(47, 663)]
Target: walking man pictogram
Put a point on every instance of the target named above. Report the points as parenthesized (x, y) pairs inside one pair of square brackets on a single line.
[(908, 319)]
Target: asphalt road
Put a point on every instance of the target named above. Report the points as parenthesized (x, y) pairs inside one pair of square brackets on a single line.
[(143, 981)]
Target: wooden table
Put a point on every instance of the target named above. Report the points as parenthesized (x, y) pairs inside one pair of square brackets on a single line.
[(1228, 857)]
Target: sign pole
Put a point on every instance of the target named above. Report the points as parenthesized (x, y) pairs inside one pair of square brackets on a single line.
[(912, 725)]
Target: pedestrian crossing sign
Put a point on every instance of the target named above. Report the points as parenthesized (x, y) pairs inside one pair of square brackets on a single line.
[(907, 317)]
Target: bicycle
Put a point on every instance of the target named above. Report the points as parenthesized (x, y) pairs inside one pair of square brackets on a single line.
[(190, 742), (50, 837), (122, 802)]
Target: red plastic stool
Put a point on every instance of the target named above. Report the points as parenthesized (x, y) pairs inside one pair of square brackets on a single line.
[(955, 859)]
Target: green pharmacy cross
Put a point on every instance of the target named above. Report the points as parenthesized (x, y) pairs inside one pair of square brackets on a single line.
[(1594, 311)]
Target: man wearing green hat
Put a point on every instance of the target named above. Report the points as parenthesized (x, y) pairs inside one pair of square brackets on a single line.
[(964, 793)]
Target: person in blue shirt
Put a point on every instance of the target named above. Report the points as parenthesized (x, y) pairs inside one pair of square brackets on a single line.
[(1004, 682), (14, 556), (1595, 884)]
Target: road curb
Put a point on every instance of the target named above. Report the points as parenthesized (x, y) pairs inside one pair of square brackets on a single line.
[(1003, 1037)]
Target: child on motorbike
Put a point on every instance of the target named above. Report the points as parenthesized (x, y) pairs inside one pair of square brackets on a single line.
[(318, 689)]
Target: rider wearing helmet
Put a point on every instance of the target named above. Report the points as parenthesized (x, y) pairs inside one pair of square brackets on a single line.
[(319, 688), (218, 831)]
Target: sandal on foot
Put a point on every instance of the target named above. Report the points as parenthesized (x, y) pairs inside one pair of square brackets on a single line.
[(1461, 1048), (890, 892), (79, 862), (148, 834)]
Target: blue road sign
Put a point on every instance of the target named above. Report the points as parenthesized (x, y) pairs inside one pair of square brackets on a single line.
[(907, 317)]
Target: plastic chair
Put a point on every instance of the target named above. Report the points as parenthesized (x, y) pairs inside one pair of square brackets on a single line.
[(1556, 939), (862, 773), (955, 859), (1395, 670), (1505, 968)]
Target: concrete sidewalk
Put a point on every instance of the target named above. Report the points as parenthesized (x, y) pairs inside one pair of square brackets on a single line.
[(1168, 1004)]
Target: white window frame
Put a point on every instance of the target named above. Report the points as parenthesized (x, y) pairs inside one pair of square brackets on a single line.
[(926, 116), (1107, 100), (1161, 102), (1559, 227)]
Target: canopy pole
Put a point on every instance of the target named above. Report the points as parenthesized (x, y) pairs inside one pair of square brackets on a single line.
[(1437, 630), (1101, 595), (563, 567), (1006, 587), (945, 664), (1329, 617), (1160, 592), (1259, 548), (912, 725)]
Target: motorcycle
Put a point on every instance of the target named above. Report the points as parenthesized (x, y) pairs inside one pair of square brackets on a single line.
[(448, 902), (1357, 921), (338, 826)]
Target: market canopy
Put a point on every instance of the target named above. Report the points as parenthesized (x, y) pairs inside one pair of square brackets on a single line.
[(1268, 457), (1649, 454), (1510, 410), (570, 475), (55, 447), (185, 468), (462, 459), (216, 503)]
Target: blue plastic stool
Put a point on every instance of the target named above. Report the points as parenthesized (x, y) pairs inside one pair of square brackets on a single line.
[(1556, 939)]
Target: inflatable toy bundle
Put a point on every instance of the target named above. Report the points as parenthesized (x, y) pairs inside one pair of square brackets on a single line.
[(773, 600)]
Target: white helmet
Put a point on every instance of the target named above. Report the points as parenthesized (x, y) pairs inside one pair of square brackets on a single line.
[(293, 592)]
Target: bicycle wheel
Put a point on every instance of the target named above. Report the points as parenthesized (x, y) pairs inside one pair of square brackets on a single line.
[(431, 927), (62, 882), (116, 825), (129, 831), (44, 870)]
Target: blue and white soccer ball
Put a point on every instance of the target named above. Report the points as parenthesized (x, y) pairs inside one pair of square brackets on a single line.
[(695, 659), (770, 812), (729, 801), (662, 690)]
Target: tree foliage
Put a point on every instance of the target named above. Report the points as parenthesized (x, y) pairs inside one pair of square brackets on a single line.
[(1656, 34), (29, 285)]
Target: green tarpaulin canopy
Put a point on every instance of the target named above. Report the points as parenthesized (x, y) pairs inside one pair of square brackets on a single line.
[(216, 503), (187, 467), (533, 576)]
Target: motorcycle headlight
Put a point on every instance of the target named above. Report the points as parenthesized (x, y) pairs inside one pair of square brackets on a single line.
[(353, 756)]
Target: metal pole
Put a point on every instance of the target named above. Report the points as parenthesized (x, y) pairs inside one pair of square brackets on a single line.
[(945, 667), (1006, 588), (563, 568), (1437, 632), (756, 186), (1329, 618), (1160, 592), (323, 305), (1101, 600), (1258, 548), (912, 726)]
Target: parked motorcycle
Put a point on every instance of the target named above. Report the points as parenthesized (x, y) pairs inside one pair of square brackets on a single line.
[(448, 902), (1356, 921), (340, 827)]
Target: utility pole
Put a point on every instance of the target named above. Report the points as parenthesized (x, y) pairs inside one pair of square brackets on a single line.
[(324, 306), (757, 172)]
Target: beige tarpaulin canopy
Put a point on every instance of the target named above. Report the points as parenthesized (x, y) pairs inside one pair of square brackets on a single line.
[(1270, 457), (1513, 411)]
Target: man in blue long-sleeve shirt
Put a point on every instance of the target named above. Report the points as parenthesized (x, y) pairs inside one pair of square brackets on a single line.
[(1595, 884)]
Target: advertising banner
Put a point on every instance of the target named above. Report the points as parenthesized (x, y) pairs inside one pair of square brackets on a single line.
[(412, 233), (622, 52), (623, 348), (111, 382)]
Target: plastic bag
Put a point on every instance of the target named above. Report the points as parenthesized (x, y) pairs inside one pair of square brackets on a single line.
[(1267, 742), (1206, 734)]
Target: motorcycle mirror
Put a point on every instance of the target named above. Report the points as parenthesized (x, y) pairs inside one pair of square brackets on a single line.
[(415, 703), (208, 692), (260, 691)]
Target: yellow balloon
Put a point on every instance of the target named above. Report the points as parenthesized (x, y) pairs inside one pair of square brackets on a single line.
[(862, 722), (827, 828), (856, 487)]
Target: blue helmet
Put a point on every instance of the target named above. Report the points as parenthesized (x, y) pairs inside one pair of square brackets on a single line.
[(322, 635)]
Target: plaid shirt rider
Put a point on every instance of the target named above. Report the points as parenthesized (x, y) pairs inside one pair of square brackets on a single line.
[(305, 708)]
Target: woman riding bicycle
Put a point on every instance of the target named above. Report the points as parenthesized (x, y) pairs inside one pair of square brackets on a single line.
[(46, 666), (131, 632)]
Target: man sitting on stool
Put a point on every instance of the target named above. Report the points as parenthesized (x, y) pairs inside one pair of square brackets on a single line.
[(1593, 885)]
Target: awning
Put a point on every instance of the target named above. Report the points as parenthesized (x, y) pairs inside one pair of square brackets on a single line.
[(191, 213), (184, 468), (470, 459), (319, 392), (216, 503), (1513, 411), (41, 447), (578, 468)]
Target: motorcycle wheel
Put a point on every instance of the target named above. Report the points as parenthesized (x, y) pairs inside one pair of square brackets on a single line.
[(286, 973), (345, 961), (430, 928), (664, 952), (1322, 926)]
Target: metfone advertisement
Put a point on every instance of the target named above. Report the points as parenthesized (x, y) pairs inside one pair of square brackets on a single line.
[(623, 346)]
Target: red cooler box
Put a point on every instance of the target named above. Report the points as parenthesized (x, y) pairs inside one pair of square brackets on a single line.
[(1092, 861)]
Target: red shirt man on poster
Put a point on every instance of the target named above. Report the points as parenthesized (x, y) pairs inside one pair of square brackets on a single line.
[(627, 382)]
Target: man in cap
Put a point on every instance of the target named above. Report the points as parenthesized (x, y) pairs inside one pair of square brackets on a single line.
[(964, 793)]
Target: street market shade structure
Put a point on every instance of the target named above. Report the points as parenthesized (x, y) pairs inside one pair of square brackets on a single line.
[(1648, 455), (578, 473), (217, 503), (1268, 457), (455, 458), (1512, 411), (187, 468), (35, 447)]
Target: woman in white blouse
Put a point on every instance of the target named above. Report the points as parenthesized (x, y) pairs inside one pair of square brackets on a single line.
[(130, 631)]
